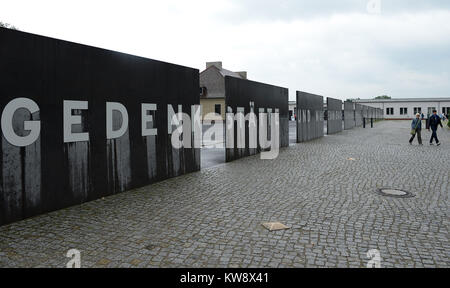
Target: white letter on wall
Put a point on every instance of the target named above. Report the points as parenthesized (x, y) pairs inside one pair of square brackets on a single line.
[(114, 106), (196, 112), (275, 137), (7, 122), (148, 118), (174, 119), (240, 118), (70, 120)]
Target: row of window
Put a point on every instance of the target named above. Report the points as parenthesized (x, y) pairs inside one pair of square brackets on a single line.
[(404, 110)]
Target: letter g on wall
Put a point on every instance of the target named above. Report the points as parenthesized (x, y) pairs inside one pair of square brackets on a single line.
[(7, 122)]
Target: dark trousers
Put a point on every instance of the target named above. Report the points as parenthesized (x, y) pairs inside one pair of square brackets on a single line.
[(434, 135), (419, 137)]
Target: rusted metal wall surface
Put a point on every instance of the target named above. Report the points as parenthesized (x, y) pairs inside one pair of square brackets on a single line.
[(334, 122), (246, 96), (349, 115), (52, 173), (310, 118)]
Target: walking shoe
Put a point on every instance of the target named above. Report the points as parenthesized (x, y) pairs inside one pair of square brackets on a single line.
[(431, 144), (438, 144)]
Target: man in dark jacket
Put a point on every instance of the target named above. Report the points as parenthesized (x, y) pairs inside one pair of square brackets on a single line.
[(416, 126), (433, 124)]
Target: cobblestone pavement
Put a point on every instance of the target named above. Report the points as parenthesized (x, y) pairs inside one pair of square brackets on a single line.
[(213, 218)]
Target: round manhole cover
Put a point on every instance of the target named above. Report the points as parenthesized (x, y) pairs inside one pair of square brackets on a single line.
[(397, 193)]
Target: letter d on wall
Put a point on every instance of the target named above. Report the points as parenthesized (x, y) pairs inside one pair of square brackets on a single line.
[(7, 122), (114, 106)]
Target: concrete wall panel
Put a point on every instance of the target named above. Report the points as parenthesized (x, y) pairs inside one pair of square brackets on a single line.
[(310, 117), (334, 123), (349, 115), (358, 115), (245, 95)]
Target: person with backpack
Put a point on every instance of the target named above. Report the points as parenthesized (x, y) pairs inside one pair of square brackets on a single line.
[(416, 129), (433, 122)]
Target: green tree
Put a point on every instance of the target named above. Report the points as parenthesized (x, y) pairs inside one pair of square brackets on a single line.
[(383, 97), (8, 26)]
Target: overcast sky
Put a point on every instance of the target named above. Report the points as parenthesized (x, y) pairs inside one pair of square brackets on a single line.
[(333, 48)]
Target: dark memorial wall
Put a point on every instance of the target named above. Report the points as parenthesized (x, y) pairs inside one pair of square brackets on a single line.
[(366, 113), (358, 115), (245, 96), (379, 114), (310, 118), (58, 149), (349, 115), (334, 123)]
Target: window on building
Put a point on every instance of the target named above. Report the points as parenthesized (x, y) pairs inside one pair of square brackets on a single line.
[(218, 109), (417, 110), (446, 110), (202, 91), (403, 111), (389, 111), (430, 110)]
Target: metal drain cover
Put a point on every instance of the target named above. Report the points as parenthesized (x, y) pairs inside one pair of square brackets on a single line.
[(397, 193)]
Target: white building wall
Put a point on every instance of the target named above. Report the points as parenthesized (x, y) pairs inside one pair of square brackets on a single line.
[(396, 105), (425, 106)]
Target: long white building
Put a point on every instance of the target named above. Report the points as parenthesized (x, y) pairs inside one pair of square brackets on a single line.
[(400, 109)]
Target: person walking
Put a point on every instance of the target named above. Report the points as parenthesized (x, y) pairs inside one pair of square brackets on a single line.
[(416, 129), (433, 122)]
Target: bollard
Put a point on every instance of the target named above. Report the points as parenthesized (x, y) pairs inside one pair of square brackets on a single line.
[(371, 122), (364, 122)]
